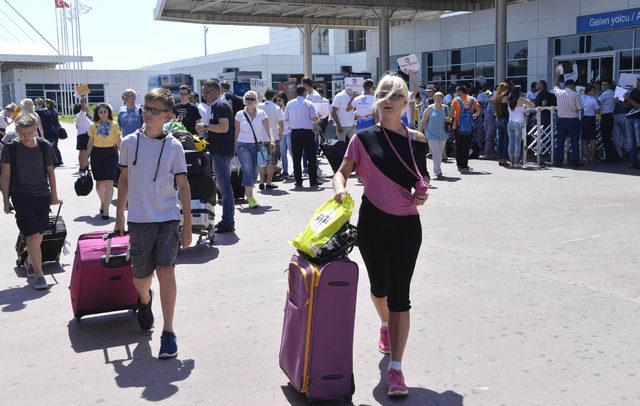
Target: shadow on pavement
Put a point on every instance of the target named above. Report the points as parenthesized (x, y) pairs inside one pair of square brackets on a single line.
[(226, 239), (198, 254), (274, 192), (444, 178), (16, 298), (621, 168), (257, 210), (417, 396), (114, 335), (95, 220), (48, 268)]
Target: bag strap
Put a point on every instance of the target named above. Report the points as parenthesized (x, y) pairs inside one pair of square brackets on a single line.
[(255, 139), (417, 172)]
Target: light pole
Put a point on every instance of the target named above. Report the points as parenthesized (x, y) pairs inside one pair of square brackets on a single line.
[(205, 39)]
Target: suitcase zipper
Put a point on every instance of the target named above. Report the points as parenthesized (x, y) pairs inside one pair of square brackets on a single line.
[(315, 281)]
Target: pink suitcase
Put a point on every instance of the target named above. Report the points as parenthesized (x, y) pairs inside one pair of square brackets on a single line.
[(102, 277), (316, 351)]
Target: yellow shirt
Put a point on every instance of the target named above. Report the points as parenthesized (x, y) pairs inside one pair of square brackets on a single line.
[(104, 134)]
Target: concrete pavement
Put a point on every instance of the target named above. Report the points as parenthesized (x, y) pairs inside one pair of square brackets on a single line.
[(527, 292)]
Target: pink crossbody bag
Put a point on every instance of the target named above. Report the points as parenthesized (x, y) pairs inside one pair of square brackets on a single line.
[(421, 186)]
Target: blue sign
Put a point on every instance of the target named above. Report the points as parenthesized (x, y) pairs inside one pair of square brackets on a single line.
[(612, 20)]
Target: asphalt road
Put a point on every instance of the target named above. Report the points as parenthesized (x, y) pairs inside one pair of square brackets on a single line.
[(526, 292)]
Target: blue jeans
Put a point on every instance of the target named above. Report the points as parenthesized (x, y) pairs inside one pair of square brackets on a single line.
[(633, 134), (285, 145), (222, 170), (514, 129), (503, 138), (248, 156), (567, 127)]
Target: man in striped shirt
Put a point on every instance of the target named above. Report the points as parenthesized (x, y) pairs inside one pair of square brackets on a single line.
[(569, 106)]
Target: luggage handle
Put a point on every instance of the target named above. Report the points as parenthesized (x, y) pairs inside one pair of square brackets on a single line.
[(55, 223), (109, 237)]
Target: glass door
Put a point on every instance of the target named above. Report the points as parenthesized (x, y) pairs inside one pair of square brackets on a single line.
[(586, 70)]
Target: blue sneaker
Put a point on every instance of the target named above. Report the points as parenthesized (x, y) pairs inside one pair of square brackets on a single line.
[(145, 313), (168, 345), (40, 283)]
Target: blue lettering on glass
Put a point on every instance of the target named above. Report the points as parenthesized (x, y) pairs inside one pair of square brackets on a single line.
[(608, 21)]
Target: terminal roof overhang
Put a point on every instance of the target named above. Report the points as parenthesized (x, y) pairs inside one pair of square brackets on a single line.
[(323, 13)]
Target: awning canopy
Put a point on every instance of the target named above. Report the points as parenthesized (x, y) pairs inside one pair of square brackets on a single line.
[(324, 13)]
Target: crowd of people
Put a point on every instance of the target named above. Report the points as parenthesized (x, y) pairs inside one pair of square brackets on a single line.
[(390, 129)]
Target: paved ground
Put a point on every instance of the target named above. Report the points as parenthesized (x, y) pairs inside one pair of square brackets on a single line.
[(527, 292)]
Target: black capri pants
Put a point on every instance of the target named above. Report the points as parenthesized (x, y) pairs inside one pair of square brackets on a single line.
[(389, 246)]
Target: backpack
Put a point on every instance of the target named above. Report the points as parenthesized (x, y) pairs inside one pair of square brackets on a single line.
[(13, 154), (465, 121)]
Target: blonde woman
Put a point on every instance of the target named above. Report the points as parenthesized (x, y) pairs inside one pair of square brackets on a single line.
[(434, 119), (388, 158), (252, 134), (28, 107)]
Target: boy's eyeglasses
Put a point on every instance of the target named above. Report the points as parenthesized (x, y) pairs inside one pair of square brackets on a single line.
[(152, 110)]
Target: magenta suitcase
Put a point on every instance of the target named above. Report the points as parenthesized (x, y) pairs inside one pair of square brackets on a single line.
[(102, 277), (316, 351)]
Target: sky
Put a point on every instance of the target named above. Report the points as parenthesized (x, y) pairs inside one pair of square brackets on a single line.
[(122, 34)]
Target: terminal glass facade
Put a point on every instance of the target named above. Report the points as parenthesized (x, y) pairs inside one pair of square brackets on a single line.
[(52, 91), (474, 66)]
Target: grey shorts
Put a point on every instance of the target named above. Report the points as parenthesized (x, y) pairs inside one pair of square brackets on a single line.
[(153, 245)]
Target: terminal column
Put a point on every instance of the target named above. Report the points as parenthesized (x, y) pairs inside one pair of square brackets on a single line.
[(501, 40), (383, 15), (306, 34)]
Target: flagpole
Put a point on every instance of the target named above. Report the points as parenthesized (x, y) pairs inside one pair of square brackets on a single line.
[(67, 63), (60, 84), (80, 42)]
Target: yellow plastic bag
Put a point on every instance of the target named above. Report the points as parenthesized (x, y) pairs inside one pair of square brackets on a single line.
[(326, 221)]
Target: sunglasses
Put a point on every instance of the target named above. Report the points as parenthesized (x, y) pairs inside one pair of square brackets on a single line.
[(393, 97), (152, 110), (249, 99)]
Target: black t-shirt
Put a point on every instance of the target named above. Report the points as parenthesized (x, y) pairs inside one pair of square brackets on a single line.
[(222, 143), (189, 114), (634, 95), (30, 177), (383, 157), (236, 101), (546, 99)]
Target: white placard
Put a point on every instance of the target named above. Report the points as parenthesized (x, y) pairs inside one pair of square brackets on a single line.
[(580, 90), (259, 85), (322, 109), (409, 63), (620, 92), (627, 80), (572, 75), (354, 84), (559, 69)]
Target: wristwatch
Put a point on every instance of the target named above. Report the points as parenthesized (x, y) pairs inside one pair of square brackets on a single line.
[(206, 125)]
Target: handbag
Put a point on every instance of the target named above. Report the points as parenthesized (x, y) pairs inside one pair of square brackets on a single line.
[(62, 134), (261, 150), (421, 186)]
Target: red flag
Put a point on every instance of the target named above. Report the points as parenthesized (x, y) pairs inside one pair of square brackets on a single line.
[(61, 4)]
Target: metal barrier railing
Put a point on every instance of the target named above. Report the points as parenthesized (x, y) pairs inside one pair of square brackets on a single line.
[(543, 138)]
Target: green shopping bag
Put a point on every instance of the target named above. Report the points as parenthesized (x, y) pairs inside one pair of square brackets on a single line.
[(326, 221)]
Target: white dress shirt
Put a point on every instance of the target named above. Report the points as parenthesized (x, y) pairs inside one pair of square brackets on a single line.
[(275, 116), (314, 97), (607, 101), (300, 114)]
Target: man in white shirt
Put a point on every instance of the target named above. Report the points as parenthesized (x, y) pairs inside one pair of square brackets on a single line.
[(312, 94), (342, 116), (301, 115), (569, 106), (607, 104), (362, 106), (276, 123)]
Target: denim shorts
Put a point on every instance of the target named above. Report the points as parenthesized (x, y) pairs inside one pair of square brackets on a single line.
[(153, 245)]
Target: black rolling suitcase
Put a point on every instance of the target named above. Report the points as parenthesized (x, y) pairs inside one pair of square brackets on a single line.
[(203, 187), (198, 163), (53, 240), (334, 150)]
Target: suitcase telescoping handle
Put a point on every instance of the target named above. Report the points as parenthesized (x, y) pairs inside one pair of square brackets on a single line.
[(109, 238), (55, 223)]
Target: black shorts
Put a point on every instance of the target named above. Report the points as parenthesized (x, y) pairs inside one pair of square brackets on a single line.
[(32, 213), (82, 141), (389, 246)]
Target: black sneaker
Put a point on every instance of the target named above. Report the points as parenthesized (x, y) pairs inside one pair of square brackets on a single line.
[(261, 186), (271, 186), (168, 345), (225, 228), (285, 175), (145, 314)]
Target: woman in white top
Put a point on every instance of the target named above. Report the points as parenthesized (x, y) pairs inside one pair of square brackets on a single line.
[(253, 136), (285, 140), (517, 105), (589, 107), (363, 106), (82, 122)]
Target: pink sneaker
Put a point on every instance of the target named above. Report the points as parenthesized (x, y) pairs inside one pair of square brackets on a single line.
[(383, 344), (395, 382)]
